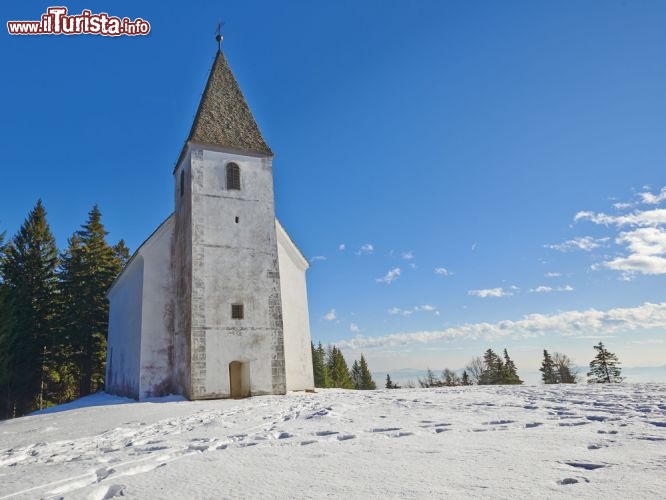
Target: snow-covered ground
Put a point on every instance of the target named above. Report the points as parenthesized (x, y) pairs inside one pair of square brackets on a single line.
[(606, 441)]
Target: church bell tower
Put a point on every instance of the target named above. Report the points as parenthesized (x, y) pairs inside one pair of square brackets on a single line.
[(227, 313)]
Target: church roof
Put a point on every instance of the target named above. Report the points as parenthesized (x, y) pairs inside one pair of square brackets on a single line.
[(224, 119)]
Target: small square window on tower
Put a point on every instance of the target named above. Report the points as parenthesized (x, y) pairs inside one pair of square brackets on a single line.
[(236, 311)]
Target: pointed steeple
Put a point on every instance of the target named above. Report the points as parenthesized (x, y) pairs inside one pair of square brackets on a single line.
[(224, 119)]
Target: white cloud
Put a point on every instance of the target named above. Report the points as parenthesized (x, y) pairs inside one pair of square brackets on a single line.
[(490, 292), (330, 315), (354, 328), (643, 264), (412, 265), (579, 324), (473, 246), (645, 241), (365, 249), (654, 217), (390, 277), (586, 243), (342, 247), (653, 199), (408, 255), (442, 270), (553, 275), (408, 312), (317, 258), (622, 206), (548, 289)]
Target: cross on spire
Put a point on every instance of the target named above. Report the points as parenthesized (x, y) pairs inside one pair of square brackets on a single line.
[(219, 37)]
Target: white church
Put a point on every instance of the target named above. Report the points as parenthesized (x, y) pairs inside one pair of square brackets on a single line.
[(214, 303)]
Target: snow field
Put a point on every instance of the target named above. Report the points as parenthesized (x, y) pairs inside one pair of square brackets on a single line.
[(461, 442)]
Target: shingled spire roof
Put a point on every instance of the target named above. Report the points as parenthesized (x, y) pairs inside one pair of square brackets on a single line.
[(224, 118)]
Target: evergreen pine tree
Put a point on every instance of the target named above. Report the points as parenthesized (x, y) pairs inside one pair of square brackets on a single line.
[(548, 372), (510, 373), (7, 339), (122, 252), (318, 365), (603, 368), (366, 377), (389, 382), (355, 374), (338, 370), (492, 368), (28, 271), (89, 267), (326, 374), (465, 378)]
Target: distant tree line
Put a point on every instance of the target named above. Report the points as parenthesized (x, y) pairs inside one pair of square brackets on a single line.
[(330, 369), (54, 312), (492, 369)]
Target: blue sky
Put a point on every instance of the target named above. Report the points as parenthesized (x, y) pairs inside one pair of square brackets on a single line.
[(463, 175)]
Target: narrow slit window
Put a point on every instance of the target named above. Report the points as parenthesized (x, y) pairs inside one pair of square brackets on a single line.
[(237, 220), (182, 182), (233, 176), (236, 311)]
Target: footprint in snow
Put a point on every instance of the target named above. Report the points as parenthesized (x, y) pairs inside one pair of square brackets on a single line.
[(113, 491), (326, 433), (651, 438), (103, 473), (571, 480), (572, 424), (531, 425), (198, 447), (585, 465), (345, 437)]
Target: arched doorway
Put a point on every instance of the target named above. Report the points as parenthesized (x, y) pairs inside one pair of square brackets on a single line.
[(239, 379)]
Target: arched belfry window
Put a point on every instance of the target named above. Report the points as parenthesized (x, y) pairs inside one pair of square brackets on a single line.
[(233, 176)]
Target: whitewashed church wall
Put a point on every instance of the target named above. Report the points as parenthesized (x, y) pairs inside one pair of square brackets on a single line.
[(157, 314), (295, 319), (237, 263), (124, 340)]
